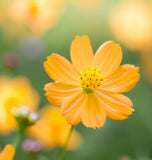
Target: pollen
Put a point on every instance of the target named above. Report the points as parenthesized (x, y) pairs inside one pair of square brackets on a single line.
[(91, 79)]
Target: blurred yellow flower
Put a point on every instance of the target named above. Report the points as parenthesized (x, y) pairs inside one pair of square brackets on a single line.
[(131, 23), (36, 16), (3, 9), (52, 129), (86, 4), (89, 89), (15, 92), (7, 153)]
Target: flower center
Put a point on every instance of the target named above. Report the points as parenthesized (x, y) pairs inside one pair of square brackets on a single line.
[(91, 79), (33, 8)]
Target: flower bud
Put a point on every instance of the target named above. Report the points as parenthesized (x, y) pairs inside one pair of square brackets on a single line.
[(15, 112), (29, 145), (24, 118), (33, 117), (24, 111), (11, 61)]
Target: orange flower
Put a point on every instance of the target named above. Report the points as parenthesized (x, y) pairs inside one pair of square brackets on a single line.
[(36, 16), (7, 153), (131, 23), (52, 129), (89, 89), (16, 92)]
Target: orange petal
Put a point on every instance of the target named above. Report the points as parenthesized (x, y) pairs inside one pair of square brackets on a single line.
[(124, 79), (108, 58), (7, 153), (60, 69), (92, 113), (117, 106), (57, 92), (72, 106), (81, 53)]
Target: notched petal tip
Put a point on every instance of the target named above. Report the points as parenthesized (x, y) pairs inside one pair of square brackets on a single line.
[(80, 37), (137, 69), (123, 80), (109, 42), (53, 55), (94, 126), (108, 58), (50, 56), (60, 69), (93, 114), (133, 110), (45, 66), (45, 86), (81, 52)]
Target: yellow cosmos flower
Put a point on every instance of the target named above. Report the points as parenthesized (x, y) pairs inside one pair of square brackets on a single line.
[(52, 129), (35, 15), (7, 153), (88, 90), (131, 23), (15, 92)]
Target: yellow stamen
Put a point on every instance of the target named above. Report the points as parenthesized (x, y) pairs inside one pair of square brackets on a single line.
[(91, 79)]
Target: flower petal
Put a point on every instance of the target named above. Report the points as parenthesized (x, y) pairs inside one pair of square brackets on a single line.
[(81, 53), (72, 106), (117, 106), (57, 92), (92, 113), (7, 153), (124, 79), (60, 69), (108, 58)]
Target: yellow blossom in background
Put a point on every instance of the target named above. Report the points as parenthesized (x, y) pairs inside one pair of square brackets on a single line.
[(15, 92), (7, 153), (131, 23), (52, 129), (3, 9), (86, 4), (89, 89), (35, 16)]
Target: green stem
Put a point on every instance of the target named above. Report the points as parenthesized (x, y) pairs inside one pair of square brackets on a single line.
[(17, 140), (63, 151)]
